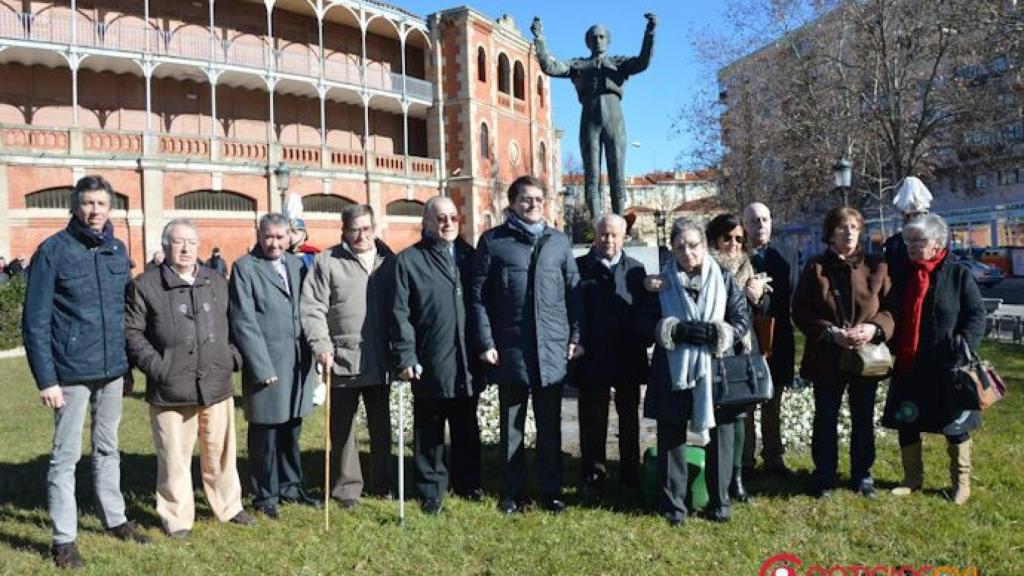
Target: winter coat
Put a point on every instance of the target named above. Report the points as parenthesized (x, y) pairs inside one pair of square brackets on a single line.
[(661, 402), (346, 311), (614, 351), (530, 319), (265, 327), (73, 317), (952, 308), (178, 335), (782, 359), (428, 320), (864, 285), (896, 256)]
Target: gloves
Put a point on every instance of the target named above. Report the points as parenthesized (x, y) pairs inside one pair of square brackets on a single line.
[(695, 333)]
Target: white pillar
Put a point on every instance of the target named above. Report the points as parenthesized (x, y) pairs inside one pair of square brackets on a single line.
[(148, 29), (362, 55), (322, 90), (405, 100), (212, 76), (147, 71), (270, 33), (213, 33), (271, 84), (74, 61), (74, 25), (320, 36)]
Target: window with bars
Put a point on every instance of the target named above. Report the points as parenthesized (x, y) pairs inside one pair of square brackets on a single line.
[(217, 200), (405, 208), (60, 198), (325, 203)]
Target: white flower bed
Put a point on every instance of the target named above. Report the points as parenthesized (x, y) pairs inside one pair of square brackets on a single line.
[(798, 416)]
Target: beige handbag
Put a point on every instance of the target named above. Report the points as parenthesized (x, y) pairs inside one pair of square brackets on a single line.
[(870, 360)]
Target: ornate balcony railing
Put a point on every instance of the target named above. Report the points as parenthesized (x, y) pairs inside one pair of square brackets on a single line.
[(198, 45)]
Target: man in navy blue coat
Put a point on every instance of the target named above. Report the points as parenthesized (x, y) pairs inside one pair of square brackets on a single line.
[(611, 286), (526, 316)]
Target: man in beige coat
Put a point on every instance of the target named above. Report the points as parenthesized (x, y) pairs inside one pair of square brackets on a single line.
[(345, 306)]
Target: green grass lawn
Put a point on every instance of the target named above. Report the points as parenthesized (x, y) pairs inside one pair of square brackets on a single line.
[(468, 538)]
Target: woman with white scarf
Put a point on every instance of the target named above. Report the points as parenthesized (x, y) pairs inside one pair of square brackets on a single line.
[(698, 315)]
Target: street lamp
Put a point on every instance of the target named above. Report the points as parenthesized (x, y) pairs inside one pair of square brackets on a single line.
[(568, 198), (659, 226), (843, 173), (283, 179)]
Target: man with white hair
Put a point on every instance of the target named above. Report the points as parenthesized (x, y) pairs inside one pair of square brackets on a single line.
[(912, 199), (611, 286), (428, 345), (780, 347), (176, 324)]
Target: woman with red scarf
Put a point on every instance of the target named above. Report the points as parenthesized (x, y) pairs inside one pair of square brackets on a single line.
[(937, 303)]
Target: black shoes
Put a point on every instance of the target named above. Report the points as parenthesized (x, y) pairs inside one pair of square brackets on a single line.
[(821, 490), (270, 511), (66, 556), (509, 506), (675, 519), (718, 515), (553, 504), (348, 503), (474, 495), (303, 500), (129, 532), (430, 506), (243, 518), (866, 488), (737, 491)]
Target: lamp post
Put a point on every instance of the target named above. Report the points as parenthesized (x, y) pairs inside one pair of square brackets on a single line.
[(842, 170), (568, 198), (282, 179), (659, 226)]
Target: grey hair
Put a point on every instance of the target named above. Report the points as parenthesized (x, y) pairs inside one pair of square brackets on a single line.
[(932, 226), (273, 219), (91, 184), (352, 211), (165, 236), (610, 217), (683, 225), (431, 206)]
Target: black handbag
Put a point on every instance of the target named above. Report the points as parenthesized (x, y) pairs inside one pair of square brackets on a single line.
[(741, 380)]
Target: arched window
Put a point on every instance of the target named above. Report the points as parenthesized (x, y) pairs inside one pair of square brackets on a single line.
[(503, 73), (540, 91), (328, 203), (60, 198), (404, 208), (519, 81), (219, 200), (481, 64), (543, 157), (485, 141)]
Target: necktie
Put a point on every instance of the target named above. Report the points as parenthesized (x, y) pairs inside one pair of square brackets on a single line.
[(279, 266)]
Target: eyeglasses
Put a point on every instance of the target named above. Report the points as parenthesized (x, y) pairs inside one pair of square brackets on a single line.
[(531, 200), (179, 242), (736, 239), (364, 231), (444, 218)]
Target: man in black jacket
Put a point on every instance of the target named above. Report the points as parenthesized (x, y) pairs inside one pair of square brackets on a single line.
[(611, 286), (757, 221), (176, 325), (428, 337), (526, 316)]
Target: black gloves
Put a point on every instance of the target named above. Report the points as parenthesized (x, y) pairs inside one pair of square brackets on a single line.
[(696, 333)]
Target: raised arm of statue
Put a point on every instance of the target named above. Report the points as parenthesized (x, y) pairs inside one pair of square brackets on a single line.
[(548, 64), (639, 63)]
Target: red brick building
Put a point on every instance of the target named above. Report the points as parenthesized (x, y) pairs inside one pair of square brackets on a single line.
[(189, 106)]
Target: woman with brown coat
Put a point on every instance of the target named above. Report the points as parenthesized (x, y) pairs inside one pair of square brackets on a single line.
[(837, 305)]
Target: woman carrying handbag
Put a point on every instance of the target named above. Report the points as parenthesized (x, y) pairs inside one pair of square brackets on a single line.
[(837, 305)]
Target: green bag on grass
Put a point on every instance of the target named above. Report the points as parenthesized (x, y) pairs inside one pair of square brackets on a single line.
[(697, 493)]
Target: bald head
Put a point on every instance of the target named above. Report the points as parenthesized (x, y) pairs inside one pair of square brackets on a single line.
[(441, 218), (757, 221)]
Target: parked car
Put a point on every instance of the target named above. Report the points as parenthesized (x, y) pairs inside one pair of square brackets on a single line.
[(985, 275)]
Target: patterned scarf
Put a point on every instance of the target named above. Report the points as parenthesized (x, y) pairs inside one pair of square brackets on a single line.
[(913, 304)]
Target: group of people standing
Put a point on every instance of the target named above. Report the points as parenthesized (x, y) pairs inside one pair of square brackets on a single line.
[(518, 311)]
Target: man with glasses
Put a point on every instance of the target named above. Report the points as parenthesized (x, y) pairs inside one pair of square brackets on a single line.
[(428, 337), (526, 316), (277, 382), (176, 323), (346, 306)]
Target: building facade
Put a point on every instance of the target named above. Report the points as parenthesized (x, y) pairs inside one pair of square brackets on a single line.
[(189, 107)]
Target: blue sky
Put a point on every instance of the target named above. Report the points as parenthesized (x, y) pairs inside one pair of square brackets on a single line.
[(652, 98)]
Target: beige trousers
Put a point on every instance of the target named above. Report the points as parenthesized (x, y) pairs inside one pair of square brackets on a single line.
[(175, 430)]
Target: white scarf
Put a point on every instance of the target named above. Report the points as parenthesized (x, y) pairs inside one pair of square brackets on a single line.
[(690, 366)]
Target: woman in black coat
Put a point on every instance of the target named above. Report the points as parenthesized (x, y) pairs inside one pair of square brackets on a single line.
[(938, 306), (698, 314)]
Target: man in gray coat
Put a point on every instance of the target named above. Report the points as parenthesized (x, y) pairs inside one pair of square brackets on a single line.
[(346, 303), (277, 382), (527, 318)]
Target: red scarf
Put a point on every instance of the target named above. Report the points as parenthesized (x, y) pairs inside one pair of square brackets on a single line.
[(913, 303)]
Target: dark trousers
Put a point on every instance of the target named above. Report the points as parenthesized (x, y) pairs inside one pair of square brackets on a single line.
[(828, 397), (672, 471), (771, 431), (593, 414), (719, 460), (345, 467), (547, 411), (275, 471), (430, 458)]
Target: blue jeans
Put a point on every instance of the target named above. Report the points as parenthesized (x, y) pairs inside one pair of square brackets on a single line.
[(104, 401), (828, 397)]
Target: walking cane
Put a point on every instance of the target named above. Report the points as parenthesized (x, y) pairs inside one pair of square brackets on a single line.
[(325, 380)]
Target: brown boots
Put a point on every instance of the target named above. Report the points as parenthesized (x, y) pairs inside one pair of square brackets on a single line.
[(960, 470), (913, 470)]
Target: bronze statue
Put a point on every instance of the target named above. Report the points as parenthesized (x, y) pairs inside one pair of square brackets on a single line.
[(599, 82)]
